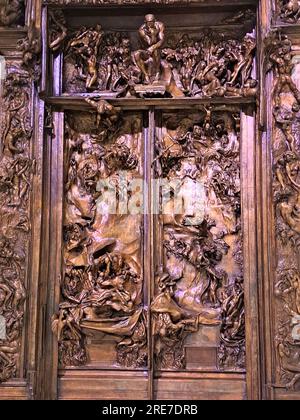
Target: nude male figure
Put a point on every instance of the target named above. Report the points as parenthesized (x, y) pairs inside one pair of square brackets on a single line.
[(152, 36)]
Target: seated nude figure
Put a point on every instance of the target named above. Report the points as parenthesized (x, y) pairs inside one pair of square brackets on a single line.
[(148, 60)]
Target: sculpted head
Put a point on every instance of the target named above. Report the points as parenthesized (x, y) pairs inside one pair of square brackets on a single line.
[(150, 21)]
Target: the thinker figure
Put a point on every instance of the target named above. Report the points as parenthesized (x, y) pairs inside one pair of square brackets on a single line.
[(152, 36)]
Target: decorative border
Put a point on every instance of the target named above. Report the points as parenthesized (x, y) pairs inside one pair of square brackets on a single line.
[(16, 172)]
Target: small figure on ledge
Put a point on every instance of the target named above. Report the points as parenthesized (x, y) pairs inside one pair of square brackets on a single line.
[(281, 59)]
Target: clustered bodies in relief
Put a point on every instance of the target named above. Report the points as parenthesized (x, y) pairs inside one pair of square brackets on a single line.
[(286, 185), (289, 10), (157, 63), (15, 184), (12, 13), (102, 287), (194, 287)]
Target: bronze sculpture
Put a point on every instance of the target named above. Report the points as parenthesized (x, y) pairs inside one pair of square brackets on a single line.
[(106, 112), (152, 37)]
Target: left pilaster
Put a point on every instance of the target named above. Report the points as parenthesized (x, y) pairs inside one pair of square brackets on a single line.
[(21, 169)]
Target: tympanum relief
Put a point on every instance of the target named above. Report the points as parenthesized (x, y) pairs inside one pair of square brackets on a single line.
[(286, 185), (154, 62), (16, 171)]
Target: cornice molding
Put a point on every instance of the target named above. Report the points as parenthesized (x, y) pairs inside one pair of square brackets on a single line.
[(145, 3)]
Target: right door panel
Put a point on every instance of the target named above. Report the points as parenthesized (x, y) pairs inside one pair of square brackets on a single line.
[(198, 317)]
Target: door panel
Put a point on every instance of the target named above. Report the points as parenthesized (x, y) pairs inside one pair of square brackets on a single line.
[(102, 321), (198, 304)]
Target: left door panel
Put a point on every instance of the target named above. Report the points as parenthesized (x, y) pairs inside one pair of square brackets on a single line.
[(102, 320)]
